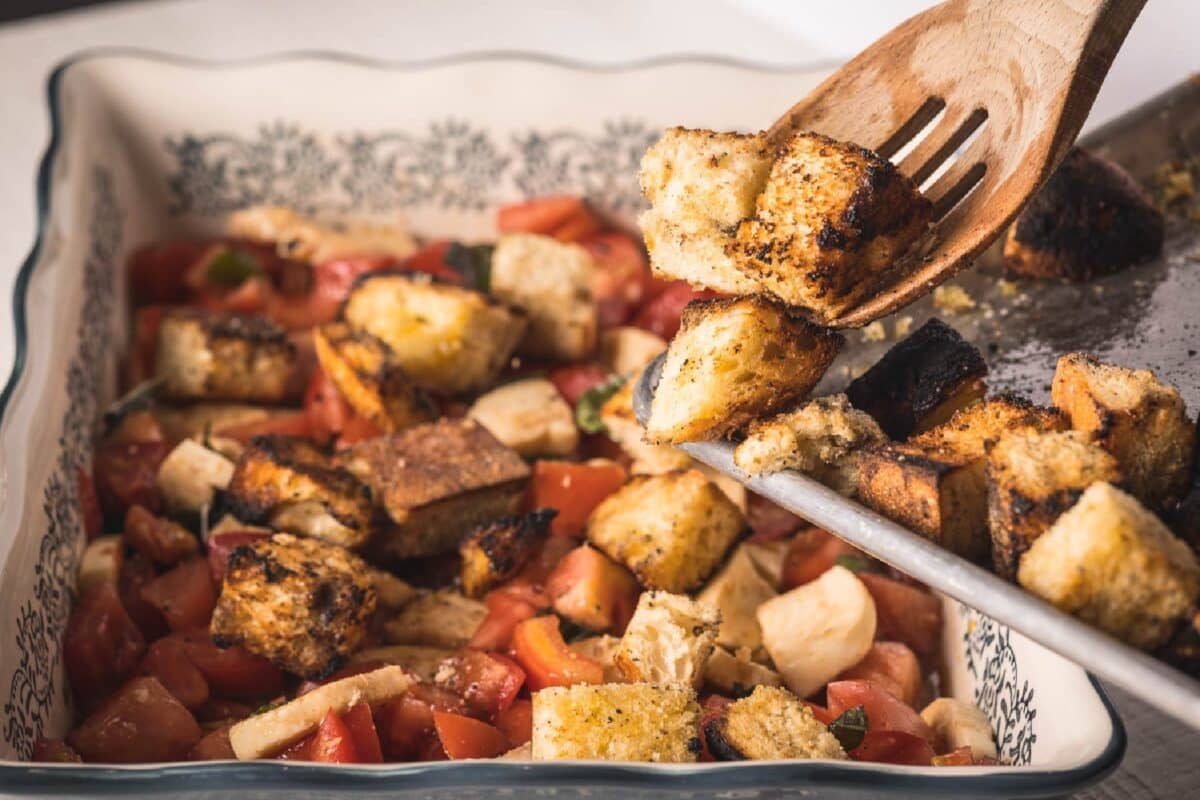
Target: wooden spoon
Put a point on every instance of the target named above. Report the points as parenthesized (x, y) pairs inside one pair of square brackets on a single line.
[(1021, 75)]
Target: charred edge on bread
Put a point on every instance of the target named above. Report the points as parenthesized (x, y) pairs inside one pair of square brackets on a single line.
[(720, 747)]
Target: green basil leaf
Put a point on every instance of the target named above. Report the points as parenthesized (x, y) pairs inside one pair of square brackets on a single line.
[(231, 268), (856, 563), (587, 410), (473, 262), (850, 728)]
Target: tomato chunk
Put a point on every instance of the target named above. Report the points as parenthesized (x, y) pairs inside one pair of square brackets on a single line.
[(361, 725), (906, 613), (546, 659), (487, 681), (516, 722), (231, 671), (506, 610), (574, 490), (125, 475), (810, 554), (893, 747), (592, 590), (892, 666), (463, 737), (432, 261), (356, 429), (885, 712), (572, 381), (185, 595), (55, 751), (89, 505), (168, 660), (333, 743), (141, 722), (406, 723), (136, 572), (712, 708), (769, 521), (331, 283), (102, 646), (542, 215), (622, 276), (162, 541), (158, 272), (661, 314), (820, 712), (327, 410), (222, 545), (214, 746)]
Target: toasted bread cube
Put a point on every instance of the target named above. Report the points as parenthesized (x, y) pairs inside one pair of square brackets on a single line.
[(495, 551), (974, 429), (437, 482), (735, 674), (732, 361), (439, 619), (1112, 563), (623, 428), (552, 282), (700, 185), (1091, 218), (299, 602), (668, 640), (417, 659), (1132, 415), (921, 381), (830, 226), (290, 484), (448, 339), (530, 416), (208, 356), (370, 378), (822, 438), (670, 530), (1033, 477), (393, 592), (626, 350), (737, 591), (302, 238), (616, 722), (771, 724), (192, 420)]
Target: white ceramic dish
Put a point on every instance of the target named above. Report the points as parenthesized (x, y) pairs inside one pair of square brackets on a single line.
[(148, 146)]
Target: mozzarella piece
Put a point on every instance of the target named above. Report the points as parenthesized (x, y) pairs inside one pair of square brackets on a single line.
[(101, 563), (530, 416), (959, 724), (190, 475)]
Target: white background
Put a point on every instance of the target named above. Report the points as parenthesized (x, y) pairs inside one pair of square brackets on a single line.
[(1162, 49)]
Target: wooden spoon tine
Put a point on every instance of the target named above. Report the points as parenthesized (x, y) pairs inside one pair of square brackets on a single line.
[(940, 144)]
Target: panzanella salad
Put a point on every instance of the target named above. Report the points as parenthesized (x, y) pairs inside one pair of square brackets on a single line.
[(370, 499)]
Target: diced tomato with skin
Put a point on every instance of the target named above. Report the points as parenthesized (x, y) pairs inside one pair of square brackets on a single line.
[(463, 737), (333, 743), (140, 723), (89, 505), (540, 650), (820, 712), (905, 613), (572, 381), (893, 747), (146, 322), (54, 751), (332, 281), (222, 545), (327, 410), (660, 315), (431, 260), (185, 594), (543, 215), (158, 272), (298, 751), (505, 612), (168, 660), (136, 572), (102, 646), (164, 542), (287, 423), (406, 724), (215, 746), (516, 722), (885, 712), (574, 490), (592, 590), (769, 521), (810, 554), (126, 475), (489, 682), (597, 446), (959, 757), (892, 666), (356, 429), (622, 276), (232, 671), (713, 707), (361, 725)]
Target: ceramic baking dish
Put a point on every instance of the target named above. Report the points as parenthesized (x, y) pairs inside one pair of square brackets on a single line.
[(148, 146)]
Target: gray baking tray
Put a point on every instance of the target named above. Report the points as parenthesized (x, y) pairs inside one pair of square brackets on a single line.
[(1147, 316)]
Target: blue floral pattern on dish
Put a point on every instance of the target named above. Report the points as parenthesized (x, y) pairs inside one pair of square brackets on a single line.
[(999, 691)]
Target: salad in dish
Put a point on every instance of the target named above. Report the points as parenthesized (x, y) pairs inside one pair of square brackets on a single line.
[(370, 500)]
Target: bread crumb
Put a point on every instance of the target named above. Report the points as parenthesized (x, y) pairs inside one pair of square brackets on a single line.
[(1007, 288), (902, 328), (952, 299), (875, 332)]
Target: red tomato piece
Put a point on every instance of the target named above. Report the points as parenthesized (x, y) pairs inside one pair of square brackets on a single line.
[(431, 260), (406, 724), (89, 505), (214, 746), (884, 711), (820, 712), (959, 757), (141, 722), (541, 215), (327, 410), (506, 610), (546, 659), (810, 554), (222, 545), (489, 682), (333, 743), (231, 671), (158, 272), (101, 646), (893, 747), (126, 475), (905, 613), (661, 314), (621, 279), (574, 490), (463, 737), (136, 572), (140, 366), (361, 725), (573, 380), (162, 541), (892, 666), (168, 660), (54, 751), (298, 751), (769, 521), (356, 429), (331, 283), (516, 722), (184, 595), (288, 423), (592, 590), (712, 708)]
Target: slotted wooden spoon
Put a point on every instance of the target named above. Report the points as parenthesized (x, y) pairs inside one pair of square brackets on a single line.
[(1021, 73)]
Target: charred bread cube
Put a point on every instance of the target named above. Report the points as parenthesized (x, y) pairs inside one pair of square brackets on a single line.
[(936, 483), (700, 185), (290, 484), (495, 551), (204, 355), (626, 350), (822, 438), (622, 427), (530, 416), (1091, 218), (735, 673), (921, 381), (830, 226), (370, 378), (1138, 419), (668, 640), (737, 591), (443, 618), (301, 603), (1033, 477), (670, 530), (732, 361), (552, 282), (616, 722), (771, 724), (302, 238), (437, 482), (448, 339), (1112, 563)]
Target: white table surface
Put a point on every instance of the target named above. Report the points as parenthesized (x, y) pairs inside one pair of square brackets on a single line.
[(1161, 51)]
